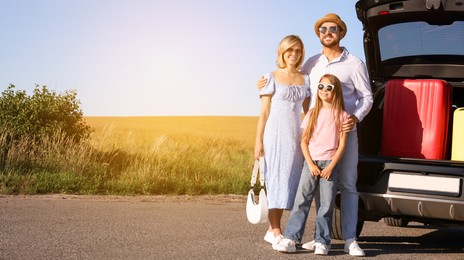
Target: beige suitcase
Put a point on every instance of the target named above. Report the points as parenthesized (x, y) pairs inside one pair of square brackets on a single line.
[(457, 147)]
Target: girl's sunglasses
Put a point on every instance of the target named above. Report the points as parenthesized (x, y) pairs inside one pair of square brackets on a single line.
[(328, 87)]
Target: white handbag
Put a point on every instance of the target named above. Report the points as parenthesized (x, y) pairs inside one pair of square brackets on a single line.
[(257, 212)]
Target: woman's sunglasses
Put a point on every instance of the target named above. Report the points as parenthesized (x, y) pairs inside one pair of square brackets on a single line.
[(328, 87), (331, 29)]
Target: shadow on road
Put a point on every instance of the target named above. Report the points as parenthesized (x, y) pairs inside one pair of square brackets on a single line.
[(438, 241)]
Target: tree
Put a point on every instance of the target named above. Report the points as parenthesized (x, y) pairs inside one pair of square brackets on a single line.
[(44, 113)]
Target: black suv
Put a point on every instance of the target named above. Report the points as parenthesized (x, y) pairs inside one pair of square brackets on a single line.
[(411, 162)]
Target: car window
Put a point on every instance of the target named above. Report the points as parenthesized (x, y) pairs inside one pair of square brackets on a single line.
[(421, 38)]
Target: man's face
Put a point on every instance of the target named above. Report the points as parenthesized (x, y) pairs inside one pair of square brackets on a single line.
[(329, 34)]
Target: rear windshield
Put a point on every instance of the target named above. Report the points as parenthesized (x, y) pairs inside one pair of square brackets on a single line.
[(421, 38)]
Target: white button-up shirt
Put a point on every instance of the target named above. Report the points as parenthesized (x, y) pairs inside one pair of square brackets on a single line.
[(351, 72)]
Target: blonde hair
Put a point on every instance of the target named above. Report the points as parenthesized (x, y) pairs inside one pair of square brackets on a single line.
[(284, 45), (338, 106)]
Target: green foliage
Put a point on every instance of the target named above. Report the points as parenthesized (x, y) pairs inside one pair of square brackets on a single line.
[(45, 113)]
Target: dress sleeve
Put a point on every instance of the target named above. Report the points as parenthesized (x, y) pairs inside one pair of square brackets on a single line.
[(269, 88)]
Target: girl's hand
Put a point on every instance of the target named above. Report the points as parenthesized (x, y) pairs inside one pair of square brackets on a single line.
[(326, 173), (314, 170)]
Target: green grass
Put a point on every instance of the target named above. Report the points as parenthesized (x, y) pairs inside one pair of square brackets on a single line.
[(136, 156)]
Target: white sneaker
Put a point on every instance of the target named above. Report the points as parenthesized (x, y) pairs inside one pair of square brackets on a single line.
[(277, 240), (320, 249), (352, 247), (311, 246), (286, 245), (269, 237)]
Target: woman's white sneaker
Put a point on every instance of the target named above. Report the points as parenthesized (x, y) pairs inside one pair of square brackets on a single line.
[(269, 237), (277, 240)]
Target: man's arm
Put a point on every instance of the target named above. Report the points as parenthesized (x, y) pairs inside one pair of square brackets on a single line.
[(261, 83), (363, 89)]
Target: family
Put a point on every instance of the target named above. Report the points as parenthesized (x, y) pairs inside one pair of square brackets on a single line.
[(316, 156)]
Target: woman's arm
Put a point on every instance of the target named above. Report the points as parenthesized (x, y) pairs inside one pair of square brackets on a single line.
[(306, 103), (263, 115)]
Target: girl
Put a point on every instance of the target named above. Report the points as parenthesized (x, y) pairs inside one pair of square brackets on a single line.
[(278, 132), (323, 143)]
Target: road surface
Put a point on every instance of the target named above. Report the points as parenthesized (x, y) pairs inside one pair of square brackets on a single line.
[(182, 227)]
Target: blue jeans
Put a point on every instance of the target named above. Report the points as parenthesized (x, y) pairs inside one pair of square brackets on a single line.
[(347, 178), (303, 199)]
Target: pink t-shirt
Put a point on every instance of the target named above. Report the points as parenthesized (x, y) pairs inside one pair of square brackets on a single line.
[(324, 142)]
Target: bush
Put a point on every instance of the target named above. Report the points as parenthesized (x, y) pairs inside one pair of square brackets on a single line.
[(43, 114)]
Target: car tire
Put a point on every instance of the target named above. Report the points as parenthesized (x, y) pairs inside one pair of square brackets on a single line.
[(337, 225), (395, 222)]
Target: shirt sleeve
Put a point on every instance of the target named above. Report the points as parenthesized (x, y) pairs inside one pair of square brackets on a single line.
[(305, 122), (307, 85), (269, 88), (363, 90)]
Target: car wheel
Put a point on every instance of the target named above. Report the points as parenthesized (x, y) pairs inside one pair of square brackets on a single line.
[(395, 222), (337, 225)]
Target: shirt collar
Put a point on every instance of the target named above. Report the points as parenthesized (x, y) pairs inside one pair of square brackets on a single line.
[(344, 55)]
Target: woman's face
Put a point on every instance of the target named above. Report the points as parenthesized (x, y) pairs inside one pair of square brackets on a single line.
[(324, 93), (293, 54)]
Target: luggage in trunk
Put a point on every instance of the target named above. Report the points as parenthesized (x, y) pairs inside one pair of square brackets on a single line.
[(415, 118), (457, 146)]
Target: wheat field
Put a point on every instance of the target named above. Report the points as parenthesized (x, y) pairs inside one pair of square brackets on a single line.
[(137, 156), (178, 155)]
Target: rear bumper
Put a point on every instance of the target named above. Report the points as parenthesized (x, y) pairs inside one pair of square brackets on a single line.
[(418, 190), (412, 207)]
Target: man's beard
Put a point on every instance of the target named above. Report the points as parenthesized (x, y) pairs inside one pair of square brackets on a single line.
[(334, 43)]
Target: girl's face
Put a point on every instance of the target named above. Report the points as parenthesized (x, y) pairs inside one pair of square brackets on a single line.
[(325, 90), (293, 54)]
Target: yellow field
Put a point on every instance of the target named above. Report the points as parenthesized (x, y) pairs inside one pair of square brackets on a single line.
[(175, 155), (148, 129), (137, 155)]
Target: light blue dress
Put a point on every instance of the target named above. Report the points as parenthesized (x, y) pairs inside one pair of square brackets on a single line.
[(281, 141)]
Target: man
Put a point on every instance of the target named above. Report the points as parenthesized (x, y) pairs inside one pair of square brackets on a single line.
[(357, 94)]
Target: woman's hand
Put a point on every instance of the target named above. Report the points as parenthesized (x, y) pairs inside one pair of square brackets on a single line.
[(259, 151)]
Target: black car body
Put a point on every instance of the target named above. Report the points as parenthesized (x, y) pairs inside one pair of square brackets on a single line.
[(410, 39)]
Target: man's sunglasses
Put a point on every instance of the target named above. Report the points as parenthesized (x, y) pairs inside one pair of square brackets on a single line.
[(332, 29), (328, 87)]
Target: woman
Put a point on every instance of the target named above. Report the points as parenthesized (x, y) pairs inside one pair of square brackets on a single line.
[(278, 132)]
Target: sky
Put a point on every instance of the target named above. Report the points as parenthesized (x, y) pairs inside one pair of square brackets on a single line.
[(158, 57)]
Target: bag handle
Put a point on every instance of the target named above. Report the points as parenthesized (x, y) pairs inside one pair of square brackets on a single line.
[(258, 167)]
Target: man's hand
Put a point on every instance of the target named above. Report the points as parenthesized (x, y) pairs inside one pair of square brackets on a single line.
[(349, 124), (261, 83)]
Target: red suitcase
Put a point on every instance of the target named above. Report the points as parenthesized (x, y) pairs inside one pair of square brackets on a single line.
[(415, 118)]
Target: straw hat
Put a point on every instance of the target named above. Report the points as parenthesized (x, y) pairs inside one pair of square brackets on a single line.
[(330, 18)]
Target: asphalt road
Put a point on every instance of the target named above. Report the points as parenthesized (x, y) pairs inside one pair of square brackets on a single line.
[(158, 227)]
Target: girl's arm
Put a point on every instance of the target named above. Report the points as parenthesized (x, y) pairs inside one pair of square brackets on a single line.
[(313, 169), (327, 171), (263, 115)]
